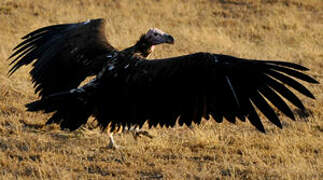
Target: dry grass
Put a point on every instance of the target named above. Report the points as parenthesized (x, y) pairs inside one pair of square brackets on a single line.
[(262, 29)]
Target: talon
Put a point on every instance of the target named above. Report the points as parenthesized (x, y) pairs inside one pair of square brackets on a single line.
[(144, 133), (135, 136), (147, 134), (112, 146)]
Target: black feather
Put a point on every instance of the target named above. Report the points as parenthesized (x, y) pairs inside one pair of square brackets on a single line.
[(277, 101), (291, 82), (264, 107)]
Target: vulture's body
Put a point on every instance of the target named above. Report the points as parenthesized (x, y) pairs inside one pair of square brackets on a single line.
[(130, 90)]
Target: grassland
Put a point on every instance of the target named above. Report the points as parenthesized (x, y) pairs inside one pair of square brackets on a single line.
[(262, 29)]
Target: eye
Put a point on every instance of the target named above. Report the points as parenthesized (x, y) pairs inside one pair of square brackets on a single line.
[(155, 34)]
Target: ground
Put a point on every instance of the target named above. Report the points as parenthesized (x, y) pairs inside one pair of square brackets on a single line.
[(288, 30)]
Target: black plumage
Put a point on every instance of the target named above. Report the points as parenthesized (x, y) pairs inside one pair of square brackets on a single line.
[(131, 90), (64, 55)]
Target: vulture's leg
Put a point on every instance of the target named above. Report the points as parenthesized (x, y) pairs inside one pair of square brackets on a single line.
[(112, 144)]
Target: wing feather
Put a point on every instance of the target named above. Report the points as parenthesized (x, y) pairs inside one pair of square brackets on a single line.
[(291, 82), (277, 101), (190, 87), (63, 55), (264, 107)]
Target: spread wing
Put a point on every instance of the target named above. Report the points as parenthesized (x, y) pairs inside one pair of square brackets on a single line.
[(62, 55), (190, 87), (131, 91)]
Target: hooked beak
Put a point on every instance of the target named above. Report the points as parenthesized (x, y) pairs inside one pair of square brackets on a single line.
[(169, 39)]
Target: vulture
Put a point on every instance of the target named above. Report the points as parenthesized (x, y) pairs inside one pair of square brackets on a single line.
[(64, 55), (130, 91)]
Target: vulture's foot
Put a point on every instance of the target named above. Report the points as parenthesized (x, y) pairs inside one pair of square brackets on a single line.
[(138, 133), (113, 146)]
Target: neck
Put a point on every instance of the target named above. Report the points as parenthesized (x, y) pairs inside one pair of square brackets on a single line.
[(142, 47)]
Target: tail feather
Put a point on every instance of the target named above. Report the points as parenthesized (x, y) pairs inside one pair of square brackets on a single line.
[(39, 105), (71, 109)]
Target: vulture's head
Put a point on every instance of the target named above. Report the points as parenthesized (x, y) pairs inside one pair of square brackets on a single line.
[(146, 43), (155, 36)]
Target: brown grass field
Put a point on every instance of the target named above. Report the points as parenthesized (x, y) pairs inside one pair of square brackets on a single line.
[(290, 30)]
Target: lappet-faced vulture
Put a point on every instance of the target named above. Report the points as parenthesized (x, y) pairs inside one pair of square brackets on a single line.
[(130, 91)]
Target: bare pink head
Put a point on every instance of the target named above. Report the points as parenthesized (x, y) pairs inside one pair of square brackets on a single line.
[(156, 36)]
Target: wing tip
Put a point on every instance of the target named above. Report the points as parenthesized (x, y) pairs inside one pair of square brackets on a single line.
[(315, 81)]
